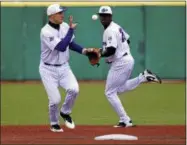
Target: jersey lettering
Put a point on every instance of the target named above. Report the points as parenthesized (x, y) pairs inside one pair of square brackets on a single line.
[(122, 34), (104, 43)]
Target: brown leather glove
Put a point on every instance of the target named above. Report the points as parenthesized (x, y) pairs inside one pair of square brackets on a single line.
[(94, 56)]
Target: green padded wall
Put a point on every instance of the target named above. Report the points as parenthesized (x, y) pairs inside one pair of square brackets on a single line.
[(157, 36)]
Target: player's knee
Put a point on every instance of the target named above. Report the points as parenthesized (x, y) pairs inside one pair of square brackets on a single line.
[(55, 101), (73, 91), (108, 93)]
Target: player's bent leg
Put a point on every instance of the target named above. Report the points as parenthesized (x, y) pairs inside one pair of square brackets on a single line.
[(51, 87), (132, 84), (67, 107), (70, 98), (146, 76), (70, 84)]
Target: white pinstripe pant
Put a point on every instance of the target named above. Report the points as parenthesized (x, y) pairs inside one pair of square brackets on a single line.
[(54, 77), (117, 82)]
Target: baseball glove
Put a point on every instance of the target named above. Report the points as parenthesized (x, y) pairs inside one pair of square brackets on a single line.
[(93, 56)]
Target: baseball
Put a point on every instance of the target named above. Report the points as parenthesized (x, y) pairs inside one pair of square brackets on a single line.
[(94, 17)]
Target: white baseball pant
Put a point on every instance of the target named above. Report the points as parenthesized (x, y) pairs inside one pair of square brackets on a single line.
[(118, 82), (54, 77)]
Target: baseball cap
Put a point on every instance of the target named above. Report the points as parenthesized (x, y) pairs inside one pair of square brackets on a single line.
[(55, 8), (105, 10)]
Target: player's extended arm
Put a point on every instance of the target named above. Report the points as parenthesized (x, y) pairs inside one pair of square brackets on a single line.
[(62, 45), (108, 51), (75, 47)]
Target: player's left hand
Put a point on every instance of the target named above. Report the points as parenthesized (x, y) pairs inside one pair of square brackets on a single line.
[(94, 55)]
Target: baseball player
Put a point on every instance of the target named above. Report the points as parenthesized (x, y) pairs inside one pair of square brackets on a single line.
[(56, 39), (117, 52)]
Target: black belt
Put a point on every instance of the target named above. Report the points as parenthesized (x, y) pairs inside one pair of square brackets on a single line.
[(52, 64), (122, 56)]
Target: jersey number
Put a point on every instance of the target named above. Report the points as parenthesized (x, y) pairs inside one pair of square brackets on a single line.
[(122, 34)]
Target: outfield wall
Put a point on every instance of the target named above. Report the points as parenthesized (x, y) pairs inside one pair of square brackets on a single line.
[(157, 36)]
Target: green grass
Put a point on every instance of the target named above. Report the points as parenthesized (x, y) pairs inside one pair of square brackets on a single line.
[(152, 104)]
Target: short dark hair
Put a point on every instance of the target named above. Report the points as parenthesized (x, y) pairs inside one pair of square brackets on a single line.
[(103, 14)]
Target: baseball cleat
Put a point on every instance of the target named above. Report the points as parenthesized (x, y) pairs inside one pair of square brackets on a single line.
[(151, 77), (68, 120), (56, 128), (123, 124)]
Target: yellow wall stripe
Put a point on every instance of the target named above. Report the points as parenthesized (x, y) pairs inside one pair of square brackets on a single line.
[(89, 4)]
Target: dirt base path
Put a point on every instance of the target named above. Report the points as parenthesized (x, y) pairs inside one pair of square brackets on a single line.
[(86, 135)]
